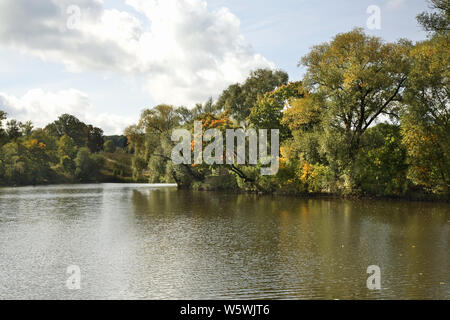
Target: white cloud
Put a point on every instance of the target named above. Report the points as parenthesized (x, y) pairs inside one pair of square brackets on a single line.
[(185, 52), (394, 4), (42, 108)]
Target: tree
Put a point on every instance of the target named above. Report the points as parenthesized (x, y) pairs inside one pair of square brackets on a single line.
[(268, 110), (13, 129), (119, 141), (152, 145), (151, 141), (70, 126), (437, 21), (67, 147), (95, 139), (3, 135), (109, 146), (25, 162), (2, 117), (426, 122), (382, 167), (87, 166), (358, 79), (26, 128), (240, 98)]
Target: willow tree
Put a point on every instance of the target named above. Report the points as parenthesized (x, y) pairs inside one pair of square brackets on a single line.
[(240, 98), (426, 123), (438, 20), (359, 80), (151, 142)]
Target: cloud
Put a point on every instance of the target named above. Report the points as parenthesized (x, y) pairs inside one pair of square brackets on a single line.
[(183, 51), (43, 107), (394, 4)]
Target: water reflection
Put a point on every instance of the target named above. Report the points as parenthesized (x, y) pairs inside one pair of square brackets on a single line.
[(153, 242)]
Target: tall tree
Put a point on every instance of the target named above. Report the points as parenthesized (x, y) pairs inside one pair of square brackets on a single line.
[(437, 21), (359, 79), (95, 138), (426, 122), (70, 126), (268, 110), (240, 98), (26, 128), (13, 129)]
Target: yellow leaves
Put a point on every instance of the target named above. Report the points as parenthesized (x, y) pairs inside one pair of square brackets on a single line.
[(302, 112), (307, 172), (34, 143)]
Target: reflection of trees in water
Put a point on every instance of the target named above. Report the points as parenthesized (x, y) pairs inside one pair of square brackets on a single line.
[(320, 245)]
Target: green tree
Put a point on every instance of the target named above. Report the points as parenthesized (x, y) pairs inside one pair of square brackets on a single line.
[(67, 147), (426, 122), (381, 166), (437, 21), (268, 110), (70, 126), (358, 79), (109, 146), (95, 139), (87, 166), (25, 162), (13, 129), (26, 128), (240, 98)]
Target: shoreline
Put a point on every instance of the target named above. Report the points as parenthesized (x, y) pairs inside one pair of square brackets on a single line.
[(336, 196), (419, 197)]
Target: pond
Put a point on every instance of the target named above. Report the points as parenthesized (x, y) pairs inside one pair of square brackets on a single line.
[(140, 241)]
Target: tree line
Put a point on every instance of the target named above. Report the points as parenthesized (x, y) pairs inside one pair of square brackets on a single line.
[(66, 150), (369, 117)]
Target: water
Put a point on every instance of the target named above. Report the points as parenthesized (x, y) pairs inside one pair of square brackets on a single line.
[(155, 242)]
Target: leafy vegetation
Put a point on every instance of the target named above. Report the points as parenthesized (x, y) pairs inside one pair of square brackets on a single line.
[(369, 117), (67, 150)]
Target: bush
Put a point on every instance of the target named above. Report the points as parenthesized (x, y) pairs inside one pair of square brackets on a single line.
[(67, 164), (87, 166), (109, 146)]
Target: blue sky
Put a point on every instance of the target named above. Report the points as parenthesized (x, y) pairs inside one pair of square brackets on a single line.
[(184, 54)]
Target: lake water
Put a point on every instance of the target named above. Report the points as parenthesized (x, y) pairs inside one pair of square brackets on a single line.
[(155, 242)]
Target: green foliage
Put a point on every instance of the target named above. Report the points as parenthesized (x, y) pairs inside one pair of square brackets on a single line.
[(119, 141), (27, 128), (87, 166), (67, 164), (240, 98), (13, 129), (437, 21), (109, 146), (83, 135), (39, 156), (369, 117), (3, 135), (25, 162), (268, 110), (381, 167), (358, 79), (95, 138), (426, 120), (67, 147), (70, 126)]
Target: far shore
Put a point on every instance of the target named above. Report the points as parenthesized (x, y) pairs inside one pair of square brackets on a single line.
[(413, 197)]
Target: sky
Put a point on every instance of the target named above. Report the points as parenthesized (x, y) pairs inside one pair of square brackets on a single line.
[(105, 61)]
